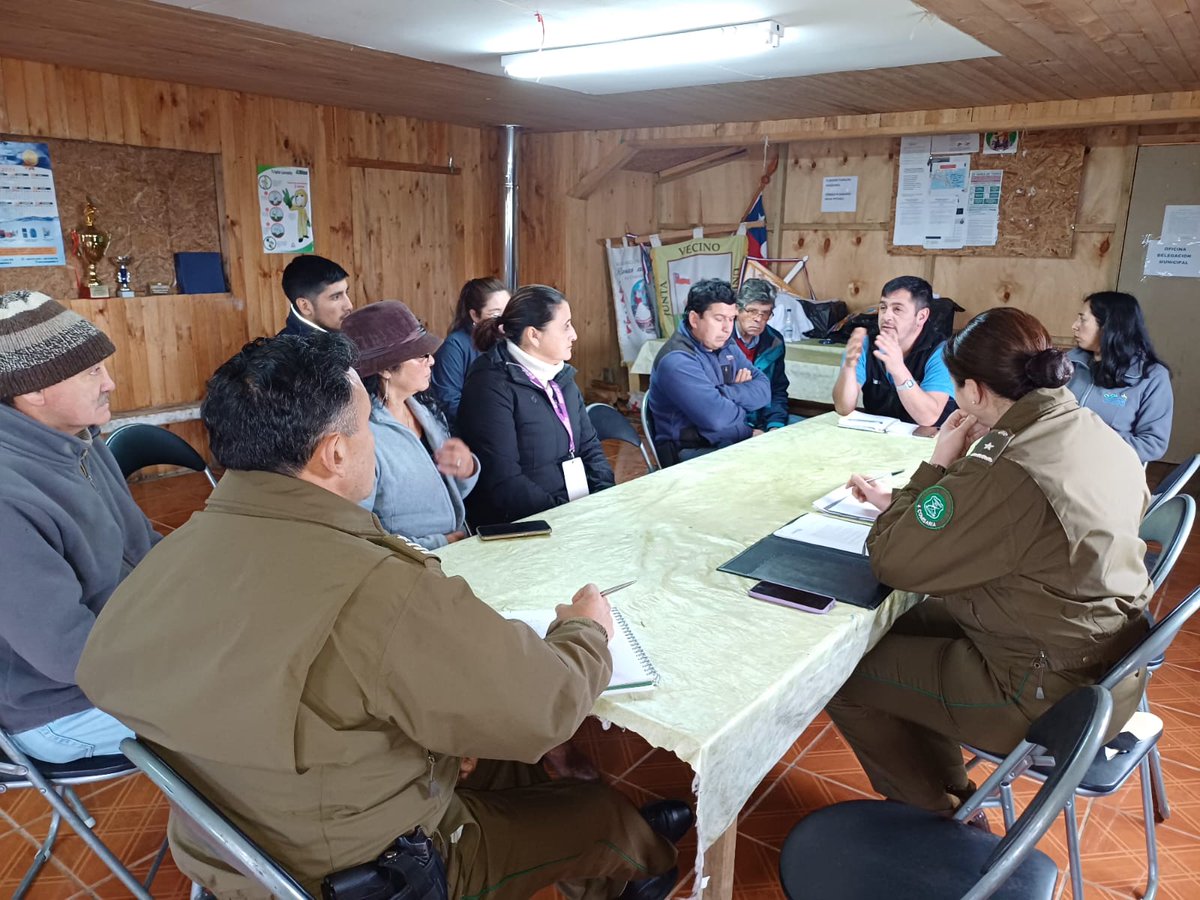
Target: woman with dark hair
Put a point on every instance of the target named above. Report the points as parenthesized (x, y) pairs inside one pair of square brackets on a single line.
[(422, 473), (524, 415), (1022, 529), (1118, 376), (480, 299)]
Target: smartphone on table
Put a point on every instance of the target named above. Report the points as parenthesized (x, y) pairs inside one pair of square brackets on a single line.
[(513, 530), (791, 597)]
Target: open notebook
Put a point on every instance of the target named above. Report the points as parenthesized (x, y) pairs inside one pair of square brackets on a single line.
[(632, 669)]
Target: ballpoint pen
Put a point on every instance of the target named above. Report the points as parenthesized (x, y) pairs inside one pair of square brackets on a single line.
[(875, 478), (613, 590)]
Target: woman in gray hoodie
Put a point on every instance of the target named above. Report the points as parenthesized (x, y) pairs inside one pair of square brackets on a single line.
[(422, 473), (1118, 376)]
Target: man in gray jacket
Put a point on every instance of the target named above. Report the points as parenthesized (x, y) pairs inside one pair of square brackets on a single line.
[(69, 529)]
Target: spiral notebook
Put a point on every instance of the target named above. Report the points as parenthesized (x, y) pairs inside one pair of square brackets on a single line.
[(632, 669)]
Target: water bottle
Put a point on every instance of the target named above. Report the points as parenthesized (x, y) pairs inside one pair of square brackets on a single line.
[(789, 326)]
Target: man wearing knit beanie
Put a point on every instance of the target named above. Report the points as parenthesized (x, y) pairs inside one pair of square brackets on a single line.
[(69, 529)]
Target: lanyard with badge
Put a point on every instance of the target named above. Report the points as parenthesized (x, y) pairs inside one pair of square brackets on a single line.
[(574, 475)]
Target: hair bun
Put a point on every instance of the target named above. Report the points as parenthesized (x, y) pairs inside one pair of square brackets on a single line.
[(1049, 368)]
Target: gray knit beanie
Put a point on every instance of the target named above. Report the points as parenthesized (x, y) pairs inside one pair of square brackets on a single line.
[(42, 343)]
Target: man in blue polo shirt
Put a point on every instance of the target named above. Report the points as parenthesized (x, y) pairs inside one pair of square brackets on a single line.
[(900, 372)]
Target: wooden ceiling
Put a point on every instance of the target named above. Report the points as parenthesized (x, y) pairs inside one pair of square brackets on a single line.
[(1051, 50)]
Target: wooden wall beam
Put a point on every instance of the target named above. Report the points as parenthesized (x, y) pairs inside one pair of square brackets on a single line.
[(614, 160), (701, 164), (360, 163)]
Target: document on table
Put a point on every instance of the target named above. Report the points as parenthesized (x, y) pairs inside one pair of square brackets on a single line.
[(861, 421), (841, 502), (826, 531)]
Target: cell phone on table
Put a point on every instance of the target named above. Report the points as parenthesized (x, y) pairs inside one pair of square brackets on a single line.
[(782, 595), (513, 530)]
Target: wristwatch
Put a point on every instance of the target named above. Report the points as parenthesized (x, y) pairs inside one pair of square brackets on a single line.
[(906, 385)]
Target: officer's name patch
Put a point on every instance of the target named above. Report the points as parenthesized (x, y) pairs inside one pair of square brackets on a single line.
[(934, 508)]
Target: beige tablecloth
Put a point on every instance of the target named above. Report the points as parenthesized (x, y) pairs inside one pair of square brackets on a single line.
[(811, 367), (740, 678)]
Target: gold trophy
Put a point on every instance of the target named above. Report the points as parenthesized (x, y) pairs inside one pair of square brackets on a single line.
[(90, 244)]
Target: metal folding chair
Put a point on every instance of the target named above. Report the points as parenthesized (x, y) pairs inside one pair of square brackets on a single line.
[(138, 445), (868, 849), (1174, 483), (611, 424), (225, 840), (56, 782), (647, 430)]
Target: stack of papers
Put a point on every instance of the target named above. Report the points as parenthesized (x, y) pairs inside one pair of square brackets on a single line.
[(840, 502), (861, 421), (826, 531)]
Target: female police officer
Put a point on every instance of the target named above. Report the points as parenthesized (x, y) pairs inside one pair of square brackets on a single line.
[(1027, 540)]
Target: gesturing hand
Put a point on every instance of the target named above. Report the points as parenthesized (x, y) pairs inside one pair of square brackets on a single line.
[(854, 348), (888, 350), (954, 438)]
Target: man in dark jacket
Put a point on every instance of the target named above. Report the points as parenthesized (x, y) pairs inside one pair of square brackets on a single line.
[(69, 530), (765, 348), (702, 387), (521, 443), (318, 292)]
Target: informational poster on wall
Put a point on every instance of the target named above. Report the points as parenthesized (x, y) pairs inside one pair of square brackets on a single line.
[(932, 193), (839, 193), (285, 201), (30, 230), (633, 298), (1172, 259), (983, 207), (678, 266)]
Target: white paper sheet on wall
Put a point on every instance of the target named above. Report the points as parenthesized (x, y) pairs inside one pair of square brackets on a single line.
[(1180, 222)]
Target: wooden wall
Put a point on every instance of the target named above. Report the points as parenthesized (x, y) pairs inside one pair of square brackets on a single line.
[(166, 349)]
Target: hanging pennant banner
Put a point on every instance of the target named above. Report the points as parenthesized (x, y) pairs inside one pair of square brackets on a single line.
[(633, 297), (678, 266)]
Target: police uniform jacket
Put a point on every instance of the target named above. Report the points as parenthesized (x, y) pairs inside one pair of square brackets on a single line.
[(1030, 542), (318, 680)]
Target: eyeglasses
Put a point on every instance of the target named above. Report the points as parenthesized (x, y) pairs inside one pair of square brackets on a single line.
[(758, 315)]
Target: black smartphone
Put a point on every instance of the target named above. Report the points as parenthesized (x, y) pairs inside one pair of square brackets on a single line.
[(515, 530), (792, 597)]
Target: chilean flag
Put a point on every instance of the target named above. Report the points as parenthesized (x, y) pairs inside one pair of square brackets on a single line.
[(756, 230)]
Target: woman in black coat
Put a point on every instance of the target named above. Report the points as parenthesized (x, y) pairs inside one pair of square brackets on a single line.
[(524, 416)]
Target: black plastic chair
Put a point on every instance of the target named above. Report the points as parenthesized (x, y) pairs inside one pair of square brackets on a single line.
[(55, 782), (610, 424), (870, 849), (1106, 775), (1174, 483), (138, 445)]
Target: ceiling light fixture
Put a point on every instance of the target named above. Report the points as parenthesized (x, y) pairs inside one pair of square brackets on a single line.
[(657, 51)]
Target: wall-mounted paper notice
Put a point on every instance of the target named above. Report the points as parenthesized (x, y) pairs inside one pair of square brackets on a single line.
[(967, 142), (1179, 259), (839, 193), (983, 207), (1180, 222)]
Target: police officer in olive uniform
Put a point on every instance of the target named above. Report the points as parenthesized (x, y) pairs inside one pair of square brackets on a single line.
[(1023, 529)]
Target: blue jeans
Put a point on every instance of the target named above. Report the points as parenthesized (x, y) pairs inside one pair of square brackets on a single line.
[(77, 736)]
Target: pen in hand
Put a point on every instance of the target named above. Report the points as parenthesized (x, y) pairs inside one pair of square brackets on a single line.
[(619, 587), (875, 478)]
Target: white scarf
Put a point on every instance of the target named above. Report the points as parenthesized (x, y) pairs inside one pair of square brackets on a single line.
[(542, 371)]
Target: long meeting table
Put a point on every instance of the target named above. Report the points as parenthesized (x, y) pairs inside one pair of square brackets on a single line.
[(740, 678)]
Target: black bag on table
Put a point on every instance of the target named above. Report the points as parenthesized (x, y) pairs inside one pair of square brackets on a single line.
[(824, 315)]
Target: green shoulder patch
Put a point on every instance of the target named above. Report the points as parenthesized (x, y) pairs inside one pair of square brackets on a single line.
[(989, 447), (934, 508)]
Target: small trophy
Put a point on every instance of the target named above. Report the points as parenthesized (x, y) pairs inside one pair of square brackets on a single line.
[(122, 263), (90, 244)]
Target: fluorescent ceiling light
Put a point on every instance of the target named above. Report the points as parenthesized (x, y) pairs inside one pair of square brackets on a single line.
[(659, 51)]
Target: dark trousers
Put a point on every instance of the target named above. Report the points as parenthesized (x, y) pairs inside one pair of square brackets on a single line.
[(522, 832), (925, 689)]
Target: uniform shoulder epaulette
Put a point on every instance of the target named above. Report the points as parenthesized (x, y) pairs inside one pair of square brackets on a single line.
[(989, 447)]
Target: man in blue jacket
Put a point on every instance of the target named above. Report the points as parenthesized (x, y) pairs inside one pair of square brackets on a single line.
[(701, 385), (765, 348), (69, 530)]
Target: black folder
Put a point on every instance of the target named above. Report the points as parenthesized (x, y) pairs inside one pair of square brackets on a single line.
[(808, 567)]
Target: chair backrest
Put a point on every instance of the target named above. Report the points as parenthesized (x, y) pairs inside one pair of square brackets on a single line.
[(611, 424), (1168, 525), (1173, 483), (1155, 643), (139, 445), (647, 429), (1071, 731), (227, 842)]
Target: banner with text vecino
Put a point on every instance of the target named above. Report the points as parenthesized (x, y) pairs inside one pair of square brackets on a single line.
[(678, 266), (633, 296)]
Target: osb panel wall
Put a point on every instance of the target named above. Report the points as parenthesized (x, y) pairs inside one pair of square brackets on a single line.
[(1038, 200), (243, 131), (153, 202)]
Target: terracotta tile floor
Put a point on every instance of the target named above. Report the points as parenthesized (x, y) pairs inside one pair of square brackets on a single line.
[(818, 770)]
